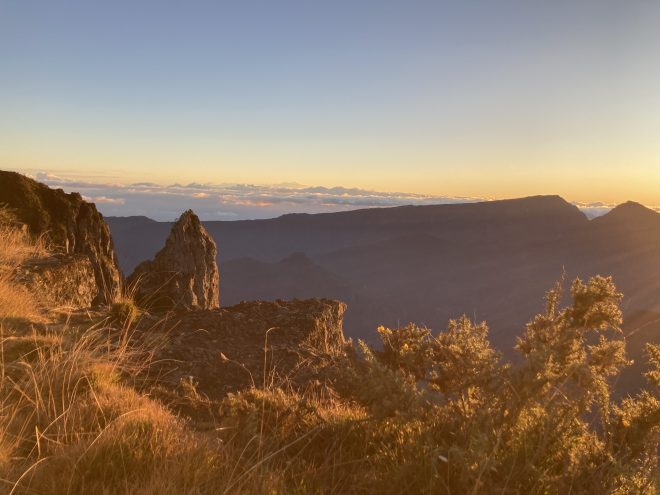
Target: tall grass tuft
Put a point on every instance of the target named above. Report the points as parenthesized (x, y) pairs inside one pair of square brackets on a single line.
[(71, 423), (16, 246)]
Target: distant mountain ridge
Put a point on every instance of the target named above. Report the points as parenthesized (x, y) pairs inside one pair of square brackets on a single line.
[(325, 232)]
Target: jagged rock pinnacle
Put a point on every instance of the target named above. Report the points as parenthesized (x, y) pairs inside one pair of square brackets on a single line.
[(182, 275)]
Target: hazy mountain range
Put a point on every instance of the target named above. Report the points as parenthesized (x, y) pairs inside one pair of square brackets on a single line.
[(493, 261)]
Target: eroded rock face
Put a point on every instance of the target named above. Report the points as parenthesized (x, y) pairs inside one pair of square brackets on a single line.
[(70, 225), (62, 281), (224, 350), (184, 274)]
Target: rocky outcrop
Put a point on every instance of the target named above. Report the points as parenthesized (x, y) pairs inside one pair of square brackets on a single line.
[(182, 275), (225, 350), (70, 226), (60, 281)]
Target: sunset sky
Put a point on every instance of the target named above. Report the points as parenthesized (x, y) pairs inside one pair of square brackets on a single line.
[(477, 99)]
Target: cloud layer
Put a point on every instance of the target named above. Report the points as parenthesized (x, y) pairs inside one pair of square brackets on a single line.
[(231, 201), (245, 201)]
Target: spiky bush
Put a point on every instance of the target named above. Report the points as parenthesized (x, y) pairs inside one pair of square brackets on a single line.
[(547, 425)]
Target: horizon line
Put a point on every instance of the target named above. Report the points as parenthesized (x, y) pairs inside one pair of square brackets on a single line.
[(253, 201)]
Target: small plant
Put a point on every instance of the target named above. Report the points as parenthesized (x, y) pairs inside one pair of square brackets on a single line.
[(407, 348), (124, 312), (188, 387), (385, 390)]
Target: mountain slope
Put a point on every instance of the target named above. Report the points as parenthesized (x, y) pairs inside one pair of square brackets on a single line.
[(294, 277), (274, 239), (492, 261)]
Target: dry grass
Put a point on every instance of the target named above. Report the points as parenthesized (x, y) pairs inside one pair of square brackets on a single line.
[(69, 422), (73, 421), (16, 246), (15, 301), (125, 312), (124, 309)]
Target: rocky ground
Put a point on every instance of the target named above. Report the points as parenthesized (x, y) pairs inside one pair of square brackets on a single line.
[(229, 349)]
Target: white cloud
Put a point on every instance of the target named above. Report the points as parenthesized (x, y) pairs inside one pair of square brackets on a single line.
[(244, 201), (595, 209), (231, 201), (105, 199)]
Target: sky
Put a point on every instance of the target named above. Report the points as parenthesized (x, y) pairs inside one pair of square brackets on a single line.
[(441, 100)]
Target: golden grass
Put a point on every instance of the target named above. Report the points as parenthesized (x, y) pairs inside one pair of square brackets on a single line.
[(125, 312), (16, 246), (73, 421), (15, 301), (69, 423)]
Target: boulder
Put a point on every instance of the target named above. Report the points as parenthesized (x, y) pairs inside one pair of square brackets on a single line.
[(184, 274), (68, 224), (225, 350), (61, 281)]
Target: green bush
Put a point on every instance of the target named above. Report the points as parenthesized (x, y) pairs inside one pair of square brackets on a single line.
[(546, 425)]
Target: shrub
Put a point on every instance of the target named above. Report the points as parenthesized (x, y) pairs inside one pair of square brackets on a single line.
[(497, 428), (124, 312)]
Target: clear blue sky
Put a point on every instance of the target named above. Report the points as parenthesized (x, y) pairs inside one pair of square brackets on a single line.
[(478, 98)]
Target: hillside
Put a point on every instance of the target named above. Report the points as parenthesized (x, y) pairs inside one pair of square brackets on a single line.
[(274, 239), (426, 264), (294, 277), (161, 390)]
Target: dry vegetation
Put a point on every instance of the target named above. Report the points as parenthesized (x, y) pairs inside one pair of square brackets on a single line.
[(427, 414), (15, 247)]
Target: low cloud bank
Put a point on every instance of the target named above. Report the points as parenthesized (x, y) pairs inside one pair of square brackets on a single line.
[(232, 201), (246, 201)]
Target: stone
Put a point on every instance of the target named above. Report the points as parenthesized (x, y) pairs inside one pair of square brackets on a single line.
[(225, 350), (184, 274), (60, 281), (68, 224)]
